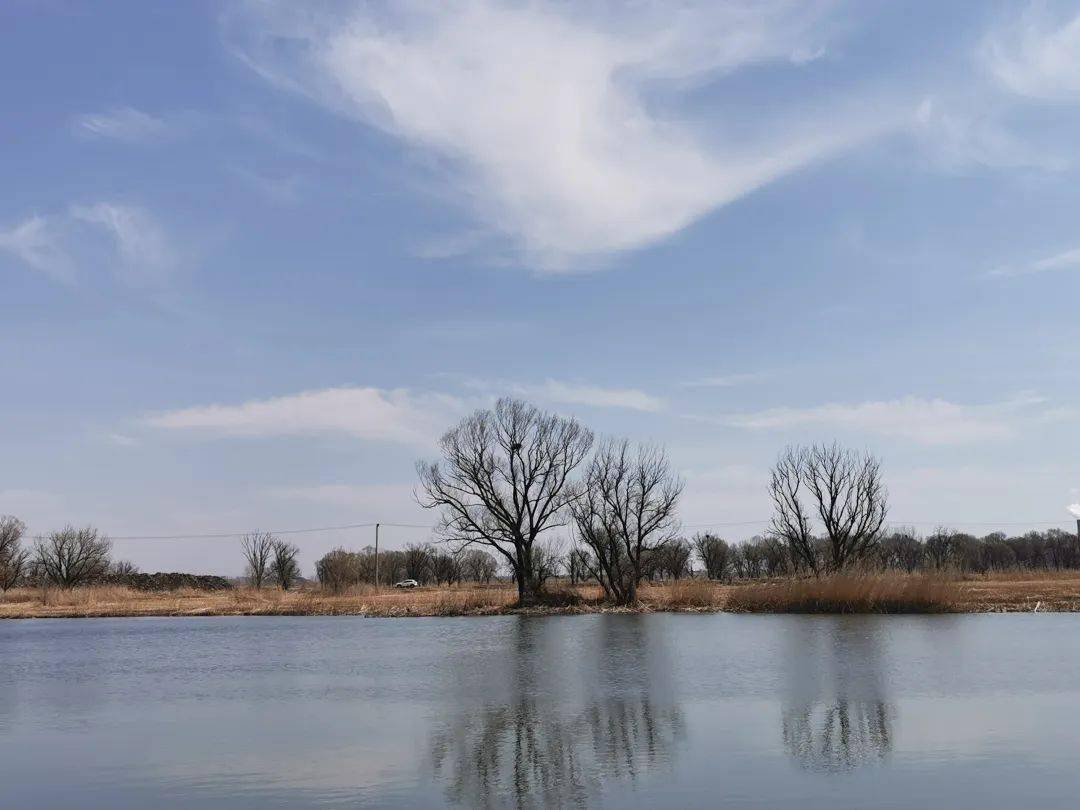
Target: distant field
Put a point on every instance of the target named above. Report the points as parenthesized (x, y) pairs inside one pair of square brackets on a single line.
[(859, 594)]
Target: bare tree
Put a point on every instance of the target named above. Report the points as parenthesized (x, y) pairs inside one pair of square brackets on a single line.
[(284, 567), (418, 562), (477, 565), (14, 559), (258, 550), (626, 512), (445, 568), (851, 501), (715, 554), (578, 564), (338, 569), (505, 478), (844, 489), (902, 550), (791, 521), (546, 561), (122, 569), (673, 559), (72, 557)]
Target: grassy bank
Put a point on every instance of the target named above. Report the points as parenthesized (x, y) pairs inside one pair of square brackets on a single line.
[(889, 593)]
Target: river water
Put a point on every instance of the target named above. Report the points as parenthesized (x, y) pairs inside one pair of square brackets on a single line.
[(657, 710)]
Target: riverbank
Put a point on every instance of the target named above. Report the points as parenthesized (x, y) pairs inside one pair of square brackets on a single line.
[(1008, 592)]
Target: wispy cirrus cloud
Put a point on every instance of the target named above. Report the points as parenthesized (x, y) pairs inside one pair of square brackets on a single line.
[(146, 253), (545, 115), (365, 413), (927, 421), (1036, 53), (122, 124), (1065, 260), (136, 249), (36, 243), (562, 392)]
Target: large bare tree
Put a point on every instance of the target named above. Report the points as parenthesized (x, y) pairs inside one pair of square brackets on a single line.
[(72, 556), (625, 513), (506, 477), (842, 490), (13, 557), (258, 551)]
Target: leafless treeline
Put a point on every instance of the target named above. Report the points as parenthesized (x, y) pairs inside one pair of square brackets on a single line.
[(427, 564), (901, 549), (65, 558)]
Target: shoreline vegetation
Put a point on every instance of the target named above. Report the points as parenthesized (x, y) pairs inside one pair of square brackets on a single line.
[(514, 484), (888, 593)]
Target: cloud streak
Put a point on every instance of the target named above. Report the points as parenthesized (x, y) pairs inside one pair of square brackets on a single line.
[(560, 392), (1067, 259), (927, 421), (370, 414), (122, 124)]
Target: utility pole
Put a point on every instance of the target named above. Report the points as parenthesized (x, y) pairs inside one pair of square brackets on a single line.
[(377, 554)]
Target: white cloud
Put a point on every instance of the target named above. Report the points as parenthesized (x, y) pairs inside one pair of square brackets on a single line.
[(364, 413), (927, 421), (728, 380), (546, 114), (122, 124), (1037, 54), (572, 393), (145, 252), (1059, 261), (36, 243)]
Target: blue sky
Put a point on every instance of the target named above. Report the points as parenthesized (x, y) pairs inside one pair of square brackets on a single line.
[(254, 259)]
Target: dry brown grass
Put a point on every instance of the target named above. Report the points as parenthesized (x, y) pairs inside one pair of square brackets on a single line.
[(871, 593), (889, 593), (685, 595)]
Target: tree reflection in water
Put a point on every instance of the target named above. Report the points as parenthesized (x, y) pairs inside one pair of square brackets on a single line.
[(536, 751), (837, 716)]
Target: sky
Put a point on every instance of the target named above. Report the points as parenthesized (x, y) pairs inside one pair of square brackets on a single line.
[(255, 257)]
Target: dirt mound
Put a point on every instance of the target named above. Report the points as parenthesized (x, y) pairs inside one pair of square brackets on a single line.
[(169, 582)]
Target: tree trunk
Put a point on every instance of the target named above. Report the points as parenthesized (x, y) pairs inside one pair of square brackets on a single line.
[(528, 590)]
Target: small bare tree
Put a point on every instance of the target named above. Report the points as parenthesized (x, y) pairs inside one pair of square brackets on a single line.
[(845, 490), (446, 568), (578, 565), (122, 569), (478, 566), (284, 567), (258, 550), (418, 562), (339, 569), (626, 513), (14, 559), (715, 554), (72, 557), (505, 479)]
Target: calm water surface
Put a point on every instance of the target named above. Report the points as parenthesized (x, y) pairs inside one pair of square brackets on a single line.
[(586, 711)]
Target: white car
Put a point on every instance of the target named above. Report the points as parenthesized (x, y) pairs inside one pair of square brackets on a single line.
[(407, 583)]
